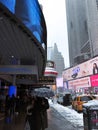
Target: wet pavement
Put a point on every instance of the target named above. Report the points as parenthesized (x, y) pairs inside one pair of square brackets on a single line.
[(55, 122), (16, 124)]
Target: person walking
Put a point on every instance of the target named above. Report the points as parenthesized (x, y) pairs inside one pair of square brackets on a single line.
[(30, 115), (33, 117), (7, 105), (12, 105), (45, 106)]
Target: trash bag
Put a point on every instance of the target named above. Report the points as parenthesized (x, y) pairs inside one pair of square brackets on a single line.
[(27, 125)]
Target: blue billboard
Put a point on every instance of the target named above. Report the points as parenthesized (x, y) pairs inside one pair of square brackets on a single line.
[(29, 12), (10, 4)]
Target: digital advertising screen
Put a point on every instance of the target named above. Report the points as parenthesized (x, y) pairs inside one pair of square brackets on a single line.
[(29, 12)]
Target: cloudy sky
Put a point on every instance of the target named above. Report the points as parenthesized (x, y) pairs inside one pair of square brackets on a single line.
[(55, 16)]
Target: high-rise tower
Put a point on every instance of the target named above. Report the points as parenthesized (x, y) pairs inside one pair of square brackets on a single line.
[(56, 56), (78, 35)]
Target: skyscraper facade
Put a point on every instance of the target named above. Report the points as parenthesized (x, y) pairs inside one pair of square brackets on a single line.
[(78, 35), (56, 56), (92, 15)]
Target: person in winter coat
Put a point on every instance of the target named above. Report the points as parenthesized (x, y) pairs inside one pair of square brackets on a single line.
[(30, 115), (45, 106), (33, 117)]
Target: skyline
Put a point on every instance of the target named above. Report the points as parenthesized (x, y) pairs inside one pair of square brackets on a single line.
[(55, 17)]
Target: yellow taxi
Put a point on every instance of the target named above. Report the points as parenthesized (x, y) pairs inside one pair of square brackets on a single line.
[(79, 100)]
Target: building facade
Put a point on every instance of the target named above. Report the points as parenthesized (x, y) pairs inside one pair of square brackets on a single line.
[(56, 56), (23, 37), (92, 16), (82, 21), (78, 37)]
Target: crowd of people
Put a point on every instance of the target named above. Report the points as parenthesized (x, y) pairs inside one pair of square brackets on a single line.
[(34, 107)]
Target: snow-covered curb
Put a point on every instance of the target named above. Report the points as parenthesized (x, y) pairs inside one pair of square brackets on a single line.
[(71, 115)]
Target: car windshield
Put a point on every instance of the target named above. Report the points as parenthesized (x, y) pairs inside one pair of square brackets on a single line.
[(85, 98)]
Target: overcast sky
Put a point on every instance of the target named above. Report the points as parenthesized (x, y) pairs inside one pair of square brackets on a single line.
[(55, 16)]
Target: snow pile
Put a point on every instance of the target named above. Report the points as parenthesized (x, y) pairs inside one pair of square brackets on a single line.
[(71, 115), (91, 103)]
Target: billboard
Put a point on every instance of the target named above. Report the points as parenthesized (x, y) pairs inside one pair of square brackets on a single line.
[(79, 83), (59, 82), (50, 64), (10, 4), (29, 12), (84, 69), (94, 80)]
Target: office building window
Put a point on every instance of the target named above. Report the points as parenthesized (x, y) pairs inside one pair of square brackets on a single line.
[(85, 24), (97, 3), (71, 24)]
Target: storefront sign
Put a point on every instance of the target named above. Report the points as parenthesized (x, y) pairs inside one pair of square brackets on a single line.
[(18, 69)]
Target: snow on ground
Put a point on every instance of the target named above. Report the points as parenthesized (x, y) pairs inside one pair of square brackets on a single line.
[(71, 115)]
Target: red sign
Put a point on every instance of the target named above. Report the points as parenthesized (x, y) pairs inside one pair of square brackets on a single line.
[(94, 80)]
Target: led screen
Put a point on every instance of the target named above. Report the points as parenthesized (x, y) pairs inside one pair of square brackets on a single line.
[(12, 90), (94, 80), (59, 82), (10, 4), (29, 12)]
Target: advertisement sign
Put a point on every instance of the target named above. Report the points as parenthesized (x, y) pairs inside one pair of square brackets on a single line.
[(12, 90), (84, 69), (59, 82), (79, 83), (30, 15), (50, 64), (94, 80)]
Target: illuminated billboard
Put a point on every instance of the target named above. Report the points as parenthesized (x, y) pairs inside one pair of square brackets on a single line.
[(10, 4), (79, 83), (94, 80), (84, 69), (30, 13), (59, 82)]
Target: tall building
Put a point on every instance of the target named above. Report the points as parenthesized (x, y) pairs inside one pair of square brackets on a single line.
[(78, 35), (56, 56), (92, 15)]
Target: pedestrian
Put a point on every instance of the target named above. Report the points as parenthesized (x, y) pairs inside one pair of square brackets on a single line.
[(36, 118), (12, 105), (7, 105), (32, 116), (29, 122), (7, 109), (45, 106)]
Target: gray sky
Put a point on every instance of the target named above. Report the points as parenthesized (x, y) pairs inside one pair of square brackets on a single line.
[(55, 16)]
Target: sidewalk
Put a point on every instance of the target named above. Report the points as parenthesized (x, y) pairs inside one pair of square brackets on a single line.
[(2, 115), (16, 124), (55, 122)]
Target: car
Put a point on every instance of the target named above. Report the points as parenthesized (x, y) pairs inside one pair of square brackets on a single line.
[(78, 101), (67, 99), (60, 99), (64, 99), (95, 97)]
